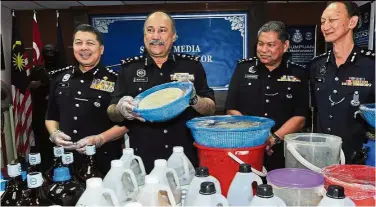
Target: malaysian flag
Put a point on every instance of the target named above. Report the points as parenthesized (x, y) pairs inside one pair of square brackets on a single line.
[(22, 108)]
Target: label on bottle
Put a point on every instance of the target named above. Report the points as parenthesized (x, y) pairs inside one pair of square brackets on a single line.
[(58, 151), (34, 158)]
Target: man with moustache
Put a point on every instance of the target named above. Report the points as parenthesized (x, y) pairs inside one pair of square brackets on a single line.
[(271, 86), (78, 100), (342, 79), (156, 66)]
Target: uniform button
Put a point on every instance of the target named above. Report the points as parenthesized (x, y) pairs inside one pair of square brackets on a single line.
[(267, 87), (74, 131), (334, 91), (329, 129), (161, 74), (166, 146), (165, 131), (82, 81), (140, 89), (136, 149), (266, 114), (330, 117), (60, 92), (99, 96), (105, 153), (77, 105), (288, 88), (79, 92), (267, 101), (75, 117), (318, 89), (269, 76), (249, 83), (336, 78)]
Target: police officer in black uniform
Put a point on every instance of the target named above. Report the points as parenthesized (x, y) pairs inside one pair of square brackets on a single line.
[(271, 86), (78, 101), (342, 79), (157, 66)]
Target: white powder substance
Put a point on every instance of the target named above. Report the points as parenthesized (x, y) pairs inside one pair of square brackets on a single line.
[(160, 98)]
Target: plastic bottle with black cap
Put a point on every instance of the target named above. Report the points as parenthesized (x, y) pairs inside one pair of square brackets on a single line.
[(265, 197), (240, 192), (201, 175), (207, 196), (335, 196)]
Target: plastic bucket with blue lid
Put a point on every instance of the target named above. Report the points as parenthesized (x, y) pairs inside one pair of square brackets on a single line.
[(296, 186), (170, 110)]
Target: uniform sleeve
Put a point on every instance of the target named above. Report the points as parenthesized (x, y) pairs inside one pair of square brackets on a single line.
[(301, 103), (120, 86), (233, 90), (52, 110), (201, 83)]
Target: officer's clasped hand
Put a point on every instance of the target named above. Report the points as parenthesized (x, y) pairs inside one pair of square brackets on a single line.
[(125, 106), (97, 140), (61, 139)]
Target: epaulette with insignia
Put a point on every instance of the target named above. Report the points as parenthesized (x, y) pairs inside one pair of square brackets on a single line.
[(188, 57), (319, 56), (293, 63), (112, 71), (247, 60), (367, 53), (57, 71), (131, 59)]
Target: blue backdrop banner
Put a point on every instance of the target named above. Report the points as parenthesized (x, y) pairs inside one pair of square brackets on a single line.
[(220, 38), (361, 34), (302, 43)]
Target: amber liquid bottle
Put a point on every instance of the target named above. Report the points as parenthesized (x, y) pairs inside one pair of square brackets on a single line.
[(37, 195), (34, 166), (89, 169), (58, 152), (68, 162), (15, 187)]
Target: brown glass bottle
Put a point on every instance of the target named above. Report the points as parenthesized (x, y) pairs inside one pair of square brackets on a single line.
[(89, 169), (68, 160), (15, 187), (37, 195), (58, 152)]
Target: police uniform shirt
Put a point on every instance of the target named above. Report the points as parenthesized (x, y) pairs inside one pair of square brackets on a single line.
[(337, 93), (154, 141), (79, 101), (278, 94)]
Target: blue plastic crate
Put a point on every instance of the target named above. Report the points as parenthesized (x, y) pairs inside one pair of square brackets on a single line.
[(368, 111), (230, 138), (169, 111)]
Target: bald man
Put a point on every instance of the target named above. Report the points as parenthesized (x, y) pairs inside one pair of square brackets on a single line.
[(158, 65)]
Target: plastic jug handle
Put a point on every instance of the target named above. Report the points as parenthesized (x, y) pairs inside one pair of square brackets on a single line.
[(301, 159), (133, 179), (112, 196), (169, 194), (321, 191), (238, 160), (256, 178), (185, 165), (222, 200), (141, 163), (175, 176), (343, 158), (280, 202)]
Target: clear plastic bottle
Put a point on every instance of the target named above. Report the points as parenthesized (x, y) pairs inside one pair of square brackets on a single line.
[(135, 163), (336, 197), (265, 197)]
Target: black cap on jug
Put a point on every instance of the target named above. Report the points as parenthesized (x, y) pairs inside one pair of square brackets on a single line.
[(264, 191), (245, 168), (336, 192), (207, 188), (202, 172)]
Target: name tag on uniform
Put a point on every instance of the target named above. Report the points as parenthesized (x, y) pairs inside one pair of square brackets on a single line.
[(250, 76), (103, 85), (320, 79), (140, 79)]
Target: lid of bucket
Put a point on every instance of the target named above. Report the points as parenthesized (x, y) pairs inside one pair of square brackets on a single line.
[(295, 178)]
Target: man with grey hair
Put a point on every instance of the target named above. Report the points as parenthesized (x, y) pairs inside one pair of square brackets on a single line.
[(271, 86), (159, 65)]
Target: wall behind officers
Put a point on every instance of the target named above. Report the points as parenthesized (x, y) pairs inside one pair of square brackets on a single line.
[(78, 100), (271, 86), (156, 66), (342, 79)]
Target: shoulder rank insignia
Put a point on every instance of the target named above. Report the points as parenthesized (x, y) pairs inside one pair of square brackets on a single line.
[(53, 72), (320, 56), (293, 63), (367, 53), (112, 72), (131, 59), (247, 60), (188, 57)]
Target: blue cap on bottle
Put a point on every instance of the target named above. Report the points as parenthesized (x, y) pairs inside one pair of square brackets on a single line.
[(3, 183), (61, 174)]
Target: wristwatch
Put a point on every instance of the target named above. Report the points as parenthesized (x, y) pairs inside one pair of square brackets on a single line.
[(193, 101), (277, 140)]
